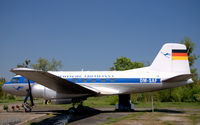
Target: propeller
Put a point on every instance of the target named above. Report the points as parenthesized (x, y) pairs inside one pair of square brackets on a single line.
[(29, 94)]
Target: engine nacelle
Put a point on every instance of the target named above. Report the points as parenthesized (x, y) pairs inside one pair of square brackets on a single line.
[(40, 91), (61, 101)]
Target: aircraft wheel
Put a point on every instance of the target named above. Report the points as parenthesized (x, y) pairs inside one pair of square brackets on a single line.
[(27, 107)]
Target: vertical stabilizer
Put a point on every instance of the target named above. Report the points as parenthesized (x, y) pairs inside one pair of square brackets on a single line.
[(172, 58)]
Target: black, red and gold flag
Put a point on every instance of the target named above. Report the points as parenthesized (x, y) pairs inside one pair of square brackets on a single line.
[(179, 54)]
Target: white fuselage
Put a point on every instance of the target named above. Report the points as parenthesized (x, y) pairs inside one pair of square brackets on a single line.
[(103, 82), (121, 82)]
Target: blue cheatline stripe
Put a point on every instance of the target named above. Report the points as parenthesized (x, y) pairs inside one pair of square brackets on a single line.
[(115, 80), (18, 83), (22, 80)]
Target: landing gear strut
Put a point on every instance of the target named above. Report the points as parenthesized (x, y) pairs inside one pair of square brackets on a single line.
[(80, 108), (124, 103)]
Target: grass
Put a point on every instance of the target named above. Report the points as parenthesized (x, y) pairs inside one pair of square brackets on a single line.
[(105, 102), (108, 101), (11, 100), (194, 118), (180, 105), (128, 117), (65, 106), (167, 123), (98, 102)]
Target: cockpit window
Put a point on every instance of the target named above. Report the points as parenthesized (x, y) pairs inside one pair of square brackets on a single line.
[(15, 80), (25, 80)]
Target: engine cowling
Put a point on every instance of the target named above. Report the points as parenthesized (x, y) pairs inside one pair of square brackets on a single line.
[(61, 101), (40, 91)]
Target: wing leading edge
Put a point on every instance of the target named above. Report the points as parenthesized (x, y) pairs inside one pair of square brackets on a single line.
[(53, 82)]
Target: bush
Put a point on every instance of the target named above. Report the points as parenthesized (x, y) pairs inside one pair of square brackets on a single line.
[(197, 97), (113, 100), (5, 107), (11, 97)]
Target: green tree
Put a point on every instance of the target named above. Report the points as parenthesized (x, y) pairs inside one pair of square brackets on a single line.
[(194, 88), (2, 81), (46, 65), (190, 49), (25, 64), (191, 56), (125, 63), (55, 65)]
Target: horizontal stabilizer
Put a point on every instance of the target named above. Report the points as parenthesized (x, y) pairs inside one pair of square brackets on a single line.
[(179, 78), (53, 82)]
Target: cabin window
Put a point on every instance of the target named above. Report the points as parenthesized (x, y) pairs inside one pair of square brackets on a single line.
[(93, 80), (15, 80), (84, 80), (75, 80), (103, 80), (112, 80)]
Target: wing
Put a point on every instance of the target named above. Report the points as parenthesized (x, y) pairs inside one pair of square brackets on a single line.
[(53, 82), (179, 78)]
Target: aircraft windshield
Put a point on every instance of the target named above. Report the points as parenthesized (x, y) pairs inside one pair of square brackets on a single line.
[(15, 80), (25, 80)]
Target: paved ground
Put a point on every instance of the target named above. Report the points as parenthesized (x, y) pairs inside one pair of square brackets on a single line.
[(145, 117), (54, 114), (165, 117)]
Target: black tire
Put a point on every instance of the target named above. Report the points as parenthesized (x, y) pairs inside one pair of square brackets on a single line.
[(27, 107)]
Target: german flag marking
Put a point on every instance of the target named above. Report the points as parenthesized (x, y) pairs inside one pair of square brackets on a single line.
[(179, 51), (179, 58), (179, 54)]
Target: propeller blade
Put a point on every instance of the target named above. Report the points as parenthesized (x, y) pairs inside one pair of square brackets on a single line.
[(27, 95), (30, 93)]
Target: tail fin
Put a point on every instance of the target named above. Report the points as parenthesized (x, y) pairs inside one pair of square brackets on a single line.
[(172, 58)]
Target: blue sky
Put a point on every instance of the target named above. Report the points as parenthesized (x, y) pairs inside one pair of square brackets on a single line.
[(91, 34)]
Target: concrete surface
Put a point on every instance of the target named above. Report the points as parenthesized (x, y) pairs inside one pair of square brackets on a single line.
[(55, 114)]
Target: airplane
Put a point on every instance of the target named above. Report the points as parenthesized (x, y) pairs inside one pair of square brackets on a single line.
[(169, 69)]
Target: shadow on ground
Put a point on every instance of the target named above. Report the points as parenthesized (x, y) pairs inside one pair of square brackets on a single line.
[(65, 116)]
